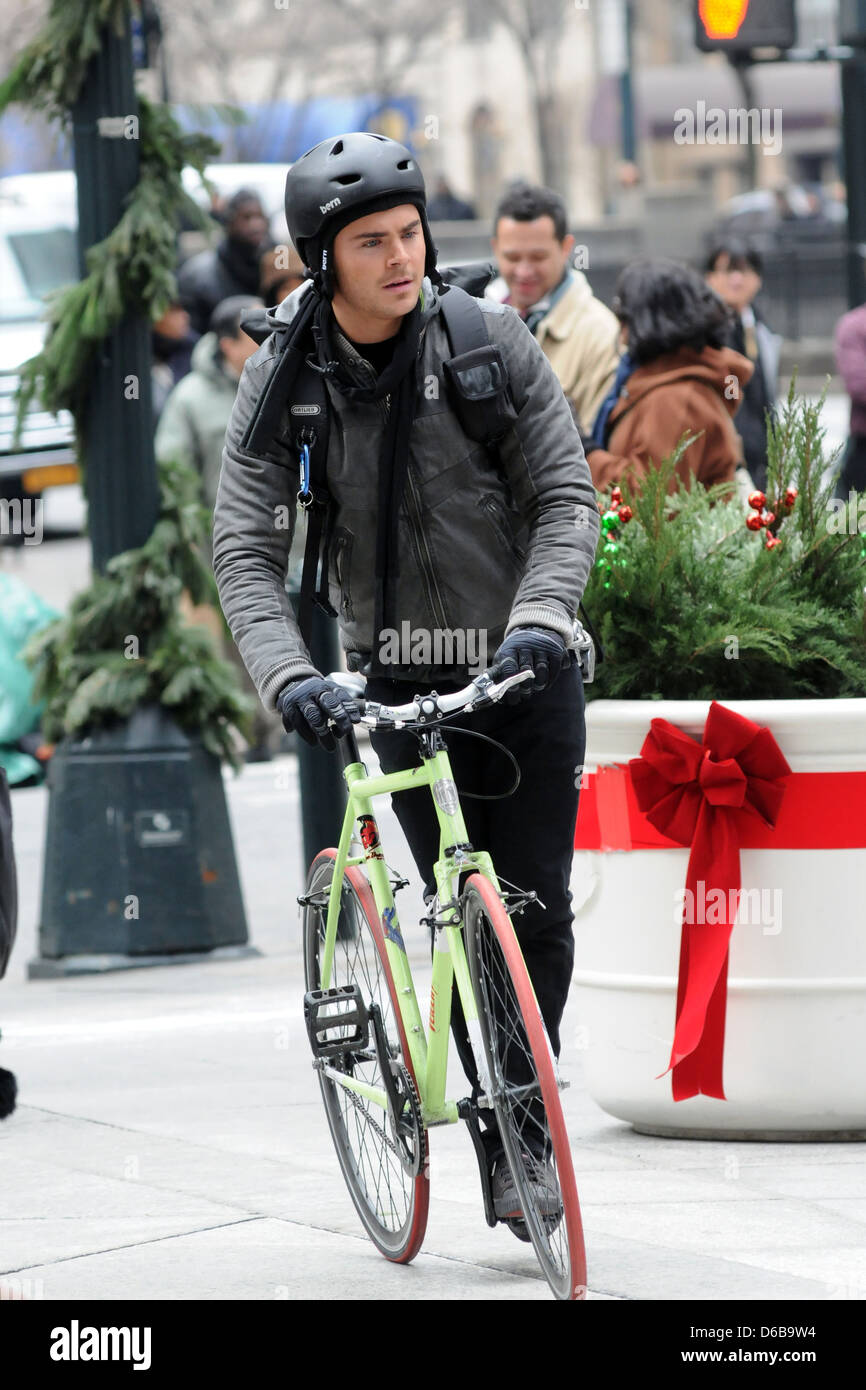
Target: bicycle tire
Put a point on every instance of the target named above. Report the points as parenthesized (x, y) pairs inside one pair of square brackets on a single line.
[(391, 1203), (523, 1083)]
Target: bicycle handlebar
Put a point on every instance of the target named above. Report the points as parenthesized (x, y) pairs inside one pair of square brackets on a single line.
[(427, 709)]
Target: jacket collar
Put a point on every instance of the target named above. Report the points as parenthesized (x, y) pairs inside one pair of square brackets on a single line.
[(567, 303), (567, 307)]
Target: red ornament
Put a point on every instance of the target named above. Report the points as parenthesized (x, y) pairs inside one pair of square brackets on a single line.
[(616, 495), (625, 514), (772, 542), (754, 521), (767, 518), (790, 496), (757, 500)]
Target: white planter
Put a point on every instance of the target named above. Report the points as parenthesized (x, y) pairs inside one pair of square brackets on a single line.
[(795, 1037)]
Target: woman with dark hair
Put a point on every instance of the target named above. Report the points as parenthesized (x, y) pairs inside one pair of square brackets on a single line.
[(678, 378)]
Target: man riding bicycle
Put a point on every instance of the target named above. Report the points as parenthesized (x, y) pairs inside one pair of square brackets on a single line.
[(432, 535)]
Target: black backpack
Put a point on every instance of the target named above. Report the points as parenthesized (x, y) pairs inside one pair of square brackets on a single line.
[(476, 378)]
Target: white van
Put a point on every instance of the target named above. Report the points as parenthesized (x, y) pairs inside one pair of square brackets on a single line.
[(38, 254)]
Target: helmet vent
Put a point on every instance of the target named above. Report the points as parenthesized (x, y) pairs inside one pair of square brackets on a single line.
[(337, 149), (405, 164), (345, 179)]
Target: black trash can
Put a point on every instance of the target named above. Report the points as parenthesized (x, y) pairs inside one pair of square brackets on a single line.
[(139, 858)]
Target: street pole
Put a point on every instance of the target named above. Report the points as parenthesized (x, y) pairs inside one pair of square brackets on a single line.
[(122, 490), (629, 124), (139, 859), (742, 67), (853, 141)]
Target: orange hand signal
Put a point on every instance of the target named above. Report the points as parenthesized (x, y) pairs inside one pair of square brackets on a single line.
[(722, 18)]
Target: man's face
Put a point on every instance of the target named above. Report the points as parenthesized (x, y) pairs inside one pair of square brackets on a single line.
[(249, 223), (235, 351), (378, 265), (174, 323), (736, 284), (531, 259)]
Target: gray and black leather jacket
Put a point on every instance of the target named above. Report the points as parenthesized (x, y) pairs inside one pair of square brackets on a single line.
[(485, 545)]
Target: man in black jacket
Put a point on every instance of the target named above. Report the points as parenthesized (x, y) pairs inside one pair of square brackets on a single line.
[(232, 267)]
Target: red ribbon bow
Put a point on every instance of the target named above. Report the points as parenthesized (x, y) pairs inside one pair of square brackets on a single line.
[(700, 794)]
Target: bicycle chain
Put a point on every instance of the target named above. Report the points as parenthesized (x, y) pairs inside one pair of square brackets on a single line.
[(415, 1106)]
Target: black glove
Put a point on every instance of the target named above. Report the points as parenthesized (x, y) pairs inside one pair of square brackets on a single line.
[(535, 649), (307, 705)]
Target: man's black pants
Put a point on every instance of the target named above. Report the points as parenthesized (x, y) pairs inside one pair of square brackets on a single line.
[(529, 835)]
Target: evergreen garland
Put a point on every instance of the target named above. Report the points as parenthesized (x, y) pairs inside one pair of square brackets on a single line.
[(130, 272), (692, 606), (122, 643), (87, 671), (50, 72)]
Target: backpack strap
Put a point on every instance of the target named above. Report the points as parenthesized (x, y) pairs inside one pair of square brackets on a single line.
[(309, 431), (292, 346), (293, 380), (476, 373)]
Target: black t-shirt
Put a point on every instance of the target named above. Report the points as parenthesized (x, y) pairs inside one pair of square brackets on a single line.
[(377, 354)]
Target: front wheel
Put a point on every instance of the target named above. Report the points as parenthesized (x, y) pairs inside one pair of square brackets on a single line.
[(523, 1089), (391, 1199)]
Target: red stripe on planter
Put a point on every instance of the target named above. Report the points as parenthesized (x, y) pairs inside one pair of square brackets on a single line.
[(820, 810)]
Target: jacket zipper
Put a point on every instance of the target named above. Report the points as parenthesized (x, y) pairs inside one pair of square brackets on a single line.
[(435, 601), (501, 527)]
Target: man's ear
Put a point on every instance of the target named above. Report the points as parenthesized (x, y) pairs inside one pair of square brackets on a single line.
[(567, 245)]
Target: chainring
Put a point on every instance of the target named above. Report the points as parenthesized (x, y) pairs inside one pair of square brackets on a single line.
[(408, 1131)]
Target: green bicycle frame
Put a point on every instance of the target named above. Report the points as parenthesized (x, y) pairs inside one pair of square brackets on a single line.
[(429, 1059)]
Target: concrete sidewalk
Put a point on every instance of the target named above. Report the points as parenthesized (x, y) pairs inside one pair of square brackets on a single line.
[(170, 1141)]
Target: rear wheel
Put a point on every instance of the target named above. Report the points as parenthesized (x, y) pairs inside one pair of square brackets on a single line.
[(391, 1199), (524, 1090)]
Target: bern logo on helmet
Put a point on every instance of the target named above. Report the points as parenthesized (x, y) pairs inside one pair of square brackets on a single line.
[(305, 410), (334, 203)]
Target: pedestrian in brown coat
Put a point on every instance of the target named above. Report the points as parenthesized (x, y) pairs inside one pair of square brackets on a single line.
[(679, 379)]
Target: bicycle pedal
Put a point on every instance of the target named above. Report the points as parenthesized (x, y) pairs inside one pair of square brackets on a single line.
[(338, 1020)]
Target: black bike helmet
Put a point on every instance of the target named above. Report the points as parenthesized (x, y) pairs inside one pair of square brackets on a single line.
[(342, 179)]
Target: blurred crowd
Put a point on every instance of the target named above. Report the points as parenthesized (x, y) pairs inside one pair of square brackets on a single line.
[(681, 353), (678, 353)]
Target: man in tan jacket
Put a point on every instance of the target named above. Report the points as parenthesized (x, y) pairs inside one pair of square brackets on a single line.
[(579, 334)]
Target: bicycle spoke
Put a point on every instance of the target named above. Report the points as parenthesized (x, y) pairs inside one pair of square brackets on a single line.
[(384, 1192), (518, 1100)]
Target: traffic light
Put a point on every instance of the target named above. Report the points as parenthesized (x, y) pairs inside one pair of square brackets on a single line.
[(736, 26)]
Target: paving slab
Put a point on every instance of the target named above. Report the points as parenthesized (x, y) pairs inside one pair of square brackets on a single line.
[(170, 1141)]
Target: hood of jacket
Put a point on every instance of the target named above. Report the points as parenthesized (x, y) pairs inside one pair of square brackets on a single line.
[(715, 367), (207, 361)]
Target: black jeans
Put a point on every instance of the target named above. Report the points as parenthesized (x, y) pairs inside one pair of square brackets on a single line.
[(529, 835)]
